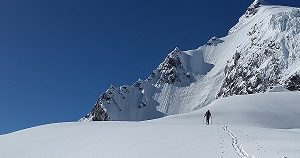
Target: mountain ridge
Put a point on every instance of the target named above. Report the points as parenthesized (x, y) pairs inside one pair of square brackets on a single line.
[(260, 52)]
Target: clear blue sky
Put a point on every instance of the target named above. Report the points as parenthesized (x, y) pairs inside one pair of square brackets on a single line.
[(58, 56)]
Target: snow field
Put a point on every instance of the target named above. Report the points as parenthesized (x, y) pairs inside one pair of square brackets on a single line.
[(249, 133)]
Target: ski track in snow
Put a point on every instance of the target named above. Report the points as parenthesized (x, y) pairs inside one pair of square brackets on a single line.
[(236, 145)]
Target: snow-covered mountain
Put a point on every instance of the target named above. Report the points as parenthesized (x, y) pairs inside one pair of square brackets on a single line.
[(261, 52)]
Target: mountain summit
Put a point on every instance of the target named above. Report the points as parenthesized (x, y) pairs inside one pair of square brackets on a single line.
[(259, 2), (260, 53)]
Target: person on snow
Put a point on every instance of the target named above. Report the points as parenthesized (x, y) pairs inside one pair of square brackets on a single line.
[(208, 116)]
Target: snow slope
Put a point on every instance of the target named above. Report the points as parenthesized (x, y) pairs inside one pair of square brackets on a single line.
[(260, 125), (261, 51)]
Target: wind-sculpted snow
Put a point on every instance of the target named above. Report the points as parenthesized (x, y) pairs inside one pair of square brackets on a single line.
[(260, 52)]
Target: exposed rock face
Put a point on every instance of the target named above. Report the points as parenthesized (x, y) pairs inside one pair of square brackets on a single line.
[(293, 83), (99, 113), (171, 71), (253, 8), (253, 72), (214, 41), (249, 76)]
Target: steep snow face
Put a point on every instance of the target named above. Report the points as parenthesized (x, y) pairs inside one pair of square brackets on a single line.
[(261, 51)]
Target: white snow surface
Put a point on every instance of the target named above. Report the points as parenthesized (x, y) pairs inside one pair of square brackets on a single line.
[(260, 125)]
